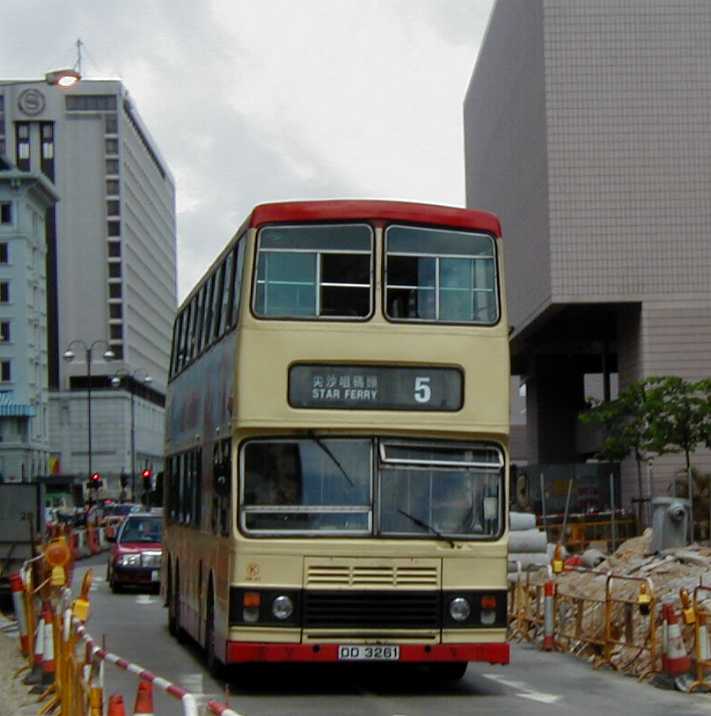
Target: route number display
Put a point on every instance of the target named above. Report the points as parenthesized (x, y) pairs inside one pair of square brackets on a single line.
[(359, 387)]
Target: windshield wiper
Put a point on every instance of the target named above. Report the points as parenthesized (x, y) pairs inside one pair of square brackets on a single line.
[(428, 527), (328, 452)]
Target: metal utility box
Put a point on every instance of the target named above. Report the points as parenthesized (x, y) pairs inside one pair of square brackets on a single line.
[(670, 523)]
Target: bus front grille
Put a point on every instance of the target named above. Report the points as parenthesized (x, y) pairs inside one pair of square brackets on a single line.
[(371, 609), (365, 575)]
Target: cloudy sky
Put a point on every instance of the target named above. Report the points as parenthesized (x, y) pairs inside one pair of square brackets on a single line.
[(258, 100)]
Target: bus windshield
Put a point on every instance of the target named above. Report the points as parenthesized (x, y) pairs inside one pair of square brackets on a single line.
[(335, 486)]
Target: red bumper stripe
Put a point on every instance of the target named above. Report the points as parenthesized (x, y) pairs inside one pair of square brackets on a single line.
[(240, 652)]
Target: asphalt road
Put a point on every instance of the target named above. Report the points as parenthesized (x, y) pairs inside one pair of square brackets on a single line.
[(134, 626)]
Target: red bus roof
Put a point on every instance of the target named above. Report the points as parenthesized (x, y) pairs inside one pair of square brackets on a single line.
[(374, 210)]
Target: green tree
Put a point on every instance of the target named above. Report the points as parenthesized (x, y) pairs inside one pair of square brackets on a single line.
[(626, 428), (679, 414)]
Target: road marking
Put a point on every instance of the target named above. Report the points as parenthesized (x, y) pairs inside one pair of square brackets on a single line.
[(192, 682), (145, 599), (526, 692)]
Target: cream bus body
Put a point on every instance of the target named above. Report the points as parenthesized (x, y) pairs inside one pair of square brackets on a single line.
[(217, 573)]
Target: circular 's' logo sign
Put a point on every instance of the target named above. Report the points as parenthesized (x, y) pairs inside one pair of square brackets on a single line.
[(31, 102)]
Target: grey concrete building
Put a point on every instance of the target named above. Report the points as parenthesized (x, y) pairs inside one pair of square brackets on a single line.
[(25, 199), (111, 268), (587, 130)]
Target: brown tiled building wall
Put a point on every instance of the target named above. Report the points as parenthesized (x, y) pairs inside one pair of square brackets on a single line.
[(587, 130)]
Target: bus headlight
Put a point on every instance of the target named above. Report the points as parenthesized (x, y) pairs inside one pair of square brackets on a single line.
[(459, 609), (282, 607)]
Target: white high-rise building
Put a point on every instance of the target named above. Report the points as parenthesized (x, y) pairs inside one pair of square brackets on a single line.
[(111, 269)]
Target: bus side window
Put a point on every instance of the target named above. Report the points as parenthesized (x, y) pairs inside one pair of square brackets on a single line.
[(226, 288), (208, 311), (235, 288), (225, 498), (217, 303), (221, 487)]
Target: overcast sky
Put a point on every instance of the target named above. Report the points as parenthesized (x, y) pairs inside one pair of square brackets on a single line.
[(258, 100)]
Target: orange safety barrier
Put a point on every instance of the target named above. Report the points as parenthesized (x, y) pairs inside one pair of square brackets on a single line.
[(624, 623), (702, 645)]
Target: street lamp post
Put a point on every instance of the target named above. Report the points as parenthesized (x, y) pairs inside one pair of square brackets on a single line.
[(116, 383), (88, 351)]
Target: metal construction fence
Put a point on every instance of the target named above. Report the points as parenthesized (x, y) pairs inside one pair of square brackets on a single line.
[(64, 666), (615, 621)]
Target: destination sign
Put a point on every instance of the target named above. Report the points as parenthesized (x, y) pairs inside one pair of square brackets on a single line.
[(368, 387)]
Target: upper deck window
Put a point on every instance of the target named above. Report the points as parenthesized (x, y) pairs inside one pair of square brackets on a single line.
[(315, 271), (440, 275)]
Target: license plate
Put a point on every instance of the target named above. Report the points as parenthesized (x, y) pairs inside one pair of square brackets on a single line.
[(348, 652), (155, 576)]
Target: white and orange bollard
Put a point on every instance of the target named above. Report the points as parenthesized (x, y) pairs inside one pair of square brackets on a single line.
[(18, 601), (549, 615), (144, 699), (35, 675), (48, 663)]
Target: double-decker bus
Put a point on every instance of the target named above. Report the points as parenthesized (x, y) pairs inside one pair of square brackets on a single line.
[(337, 440)]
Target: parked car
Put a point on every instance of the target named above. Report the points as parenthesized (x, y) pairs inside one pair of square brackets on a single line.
[(136, 553)]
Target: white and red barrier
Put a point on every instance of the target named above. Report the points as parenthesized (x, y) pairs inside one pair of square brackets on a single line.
[(187, 699)]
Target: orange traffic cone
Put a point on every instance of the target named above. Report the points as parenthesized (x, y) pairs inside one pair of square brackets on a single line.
[(144, 699), (676, 663), (48, 666), (116, 706)]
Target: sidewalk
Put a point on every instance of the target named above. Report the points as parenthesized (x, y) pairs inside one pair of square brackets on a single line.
[(14, 697)]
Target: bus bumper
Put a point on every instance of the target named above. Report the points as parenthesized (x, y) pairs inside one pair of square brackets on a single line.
[(244, 652)]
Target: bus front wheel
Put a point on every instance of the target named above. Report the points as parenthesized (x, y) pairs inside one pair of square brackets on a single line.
[(214, 665)]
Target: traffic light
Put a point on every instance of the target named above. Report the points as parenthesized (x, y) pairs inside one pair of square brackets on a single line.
[(146, 476), (95, 481), (123, 479)]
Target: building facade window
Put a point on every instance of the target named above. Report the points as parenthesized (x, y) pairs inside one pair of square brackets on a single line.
[(5, 212), (114, 228), (111, 126), (115, 310), (114, 290), (4, 253), (4, 292), (112, 187), (47, 160), (2, 125), (5, 371), (114, 270), (4, 331), (115, 249), (112, 166), (113, 207), (91, 103), (112, 146), (22, 146)]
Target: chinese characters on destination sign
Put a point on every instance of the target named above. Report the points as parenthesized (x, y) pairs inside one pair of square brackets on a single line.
[(358, 387)]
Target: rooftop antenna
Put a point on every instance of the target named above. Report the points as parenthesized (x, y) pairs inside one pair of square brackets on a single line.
[(77, 66)]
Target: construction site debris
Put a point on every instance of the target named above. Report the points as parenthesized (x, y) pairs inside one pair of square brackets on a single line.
[(609, 622)]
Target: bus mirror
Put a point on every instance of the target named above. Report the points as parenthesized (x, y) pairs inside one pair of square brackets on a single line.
[(221, 485)]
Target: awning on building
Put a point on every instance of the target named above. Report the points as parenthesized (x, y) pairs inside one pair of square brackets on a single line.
[(17, 410)]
